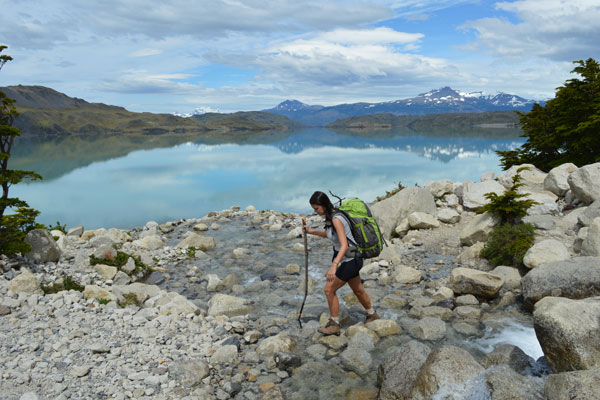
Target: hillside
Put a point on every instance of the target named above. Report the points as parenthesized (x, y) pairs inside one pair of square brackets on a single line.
[(46, 112), (440, 101)]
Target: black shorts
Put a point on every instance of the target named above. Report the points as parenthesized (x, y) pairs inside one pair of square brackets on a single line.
[(349, 269)]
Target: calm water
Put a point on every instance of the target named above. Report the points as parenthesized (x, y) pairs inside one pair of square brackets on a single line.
[(123, 182)]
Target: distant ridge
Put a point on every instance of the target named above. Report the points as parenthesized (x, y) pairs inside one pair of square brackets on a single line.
[(439, 101), (44, 97)]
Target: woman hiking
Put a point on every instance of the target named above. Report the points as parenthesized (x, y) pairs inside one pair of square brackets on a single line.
[(343, 269)]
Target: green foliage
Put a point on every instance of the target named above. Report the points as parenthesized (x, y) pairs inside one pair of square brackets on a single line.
[(508, 207), (129, 299), (508, 244), (58, 227), (67, 283), (389, 194), (120, 260), (566, 128), (191, 252), (13, 227), (103, 301)]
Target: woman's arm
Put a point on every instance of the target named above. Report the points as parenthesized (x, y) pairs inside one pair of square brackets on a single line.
[(341, 234), (315, 232)]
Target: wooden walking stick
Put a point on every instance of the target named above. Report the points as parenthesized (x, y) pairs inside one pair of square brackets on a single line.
[(305, 270)]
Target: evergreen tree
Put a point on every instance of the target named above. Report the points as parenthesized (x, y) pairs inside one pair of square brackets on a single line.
[(567, 128), (13, 227)]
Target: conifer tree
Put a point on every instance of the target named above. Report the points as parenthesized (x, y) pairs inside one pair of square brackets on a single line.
[(13, 227), (567, 128)]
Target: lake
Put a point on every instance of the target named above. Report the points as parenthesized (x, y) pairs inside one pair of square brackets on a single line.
[(124, 182)]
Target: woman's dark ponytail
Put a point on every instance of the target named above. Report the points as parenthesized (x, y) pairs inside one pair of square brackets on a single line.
[(321, 199)]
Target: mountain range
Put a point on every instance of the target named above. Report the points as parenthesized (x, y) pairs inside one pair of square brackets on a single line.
[(438, 101)]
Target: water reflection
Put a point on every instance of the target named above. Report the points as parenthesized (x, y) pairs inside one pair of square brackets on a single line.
[(124, 182)]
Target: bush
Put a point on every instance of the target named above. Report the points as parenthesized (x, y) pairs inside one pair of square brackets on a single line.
[(68, 283), (120, 260), (508, 244), (390, 194), (129, 299)]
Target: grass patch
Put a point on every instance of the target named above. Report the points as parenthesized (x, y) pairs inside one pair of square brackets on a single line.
[(508, 244), (191, 252), (389, 194), (68, 283), (120, 260), (129, 299), (103, 301)]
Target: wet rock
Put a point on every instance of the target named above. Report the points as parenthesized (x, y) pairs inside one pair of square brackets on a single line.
[(199, 242), (391, 211), (384, 327), (584, 183), (474, 193), (25, 282), (442, 313), (43, 247), (292, 269), (200, 227), (580, 385), (398, 371), (222, 304), (576, 278), (214, 283), (357, 360), (467, 312), (478, 229), (447, 369), (569, 332), (591, 244), (478, 283), (287, 361), (546, 251), (510, 355), (506, 384), (334, 342)]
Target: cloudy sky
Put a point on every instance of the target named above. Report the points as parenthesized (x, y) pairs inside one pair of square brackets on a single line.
[(229, 55)]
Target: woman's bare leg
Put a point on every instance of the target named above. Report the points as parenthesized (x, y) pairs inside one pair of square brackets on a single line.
[(332, 299), (360, 292)]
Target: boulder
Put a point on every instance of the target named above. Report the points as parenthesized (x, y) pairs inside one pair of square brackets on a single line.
[(189, 374), (448, 215), (569, 332), (556, 180), (510, 276), (584, 183), (43, 247), (223, 304), (398, 371), (25, 282), (275, 344), (540, 221), (96, 292), (75, 231), (546, 202), (447, 369), (150, 242), (203, 243), (106, 252), (440, 188), (576, 278), (107, 272), (175, 304), (510, 355), (227, 354), (214, 283), (589, 214), (421, 220), (475, 282), (580, 385), (429, 328), (474, 193), (531, 177), (391, 211), (407, 275), (486, 176), (546, 251), (470, 256), (141, 290), (478, 229), (384, 327), (357, 360), (591, 244), (507, 384)]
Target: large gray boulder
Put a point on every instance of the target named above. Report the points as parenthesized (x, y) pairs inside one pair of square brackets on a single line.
[(391, 211), (478, 229), (475, 282), (43, 247), (531, 177), (276, 344), (510, 355), (507, 384), (357, 360), (556, 180), (398, 371), (591, 243), (474, 193), (584, 183), (576, 278), (25, 282), (589, 214), (449, 369), (546, 251), (580, 385), (569, 332)]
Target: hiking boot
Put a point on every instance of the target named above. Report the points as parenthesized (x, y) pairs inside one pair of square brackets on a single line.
[(332, 328), (371, 317)]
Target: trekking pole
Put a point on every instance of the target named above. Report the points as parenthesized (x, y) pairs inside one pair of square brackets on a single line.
[(305, 270)]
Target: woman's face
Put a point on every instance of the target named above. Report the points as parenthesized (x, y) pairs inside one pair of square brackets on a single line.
[(320, 210)]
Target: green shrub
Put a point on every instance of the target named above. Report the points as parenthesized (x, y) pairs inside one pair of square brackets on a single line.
[(129, 299), (390, 193), (120, 260), (103, 301), (508, 244), (191, 252), (58, 227), (68, 283)]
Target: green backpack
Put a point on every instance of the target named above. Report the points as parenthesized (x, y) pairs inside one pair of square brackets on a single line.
[(364, 228)]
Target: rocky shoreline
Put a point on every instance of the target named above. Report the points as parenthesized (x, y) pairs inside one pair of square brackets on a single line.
[(206, 308)]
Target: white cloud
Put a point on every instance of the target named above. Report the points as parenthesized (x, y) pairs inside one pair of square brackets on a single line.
[(553, 29), (145, 53)]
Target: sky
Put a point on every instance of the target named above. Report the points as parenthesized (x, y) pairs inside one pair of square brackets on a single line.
[(231, 55)]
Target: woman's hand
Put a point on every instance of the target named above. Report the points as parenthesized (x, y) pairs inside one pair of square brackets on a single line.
[(305, 228), (331, 272)]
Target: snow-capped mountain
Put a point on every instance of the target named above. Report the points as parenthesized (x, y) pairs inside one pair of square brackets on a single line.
[(438, 101), (197, 111)]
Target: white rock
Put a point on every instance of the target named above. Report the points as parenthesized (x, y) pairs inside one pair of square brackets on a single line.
[(584, 183), (421, 220), (448, 215), (591, 244), (474, 193), (487, 176), (546, 251), (152, 242), (407, 275), (556, 180)]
